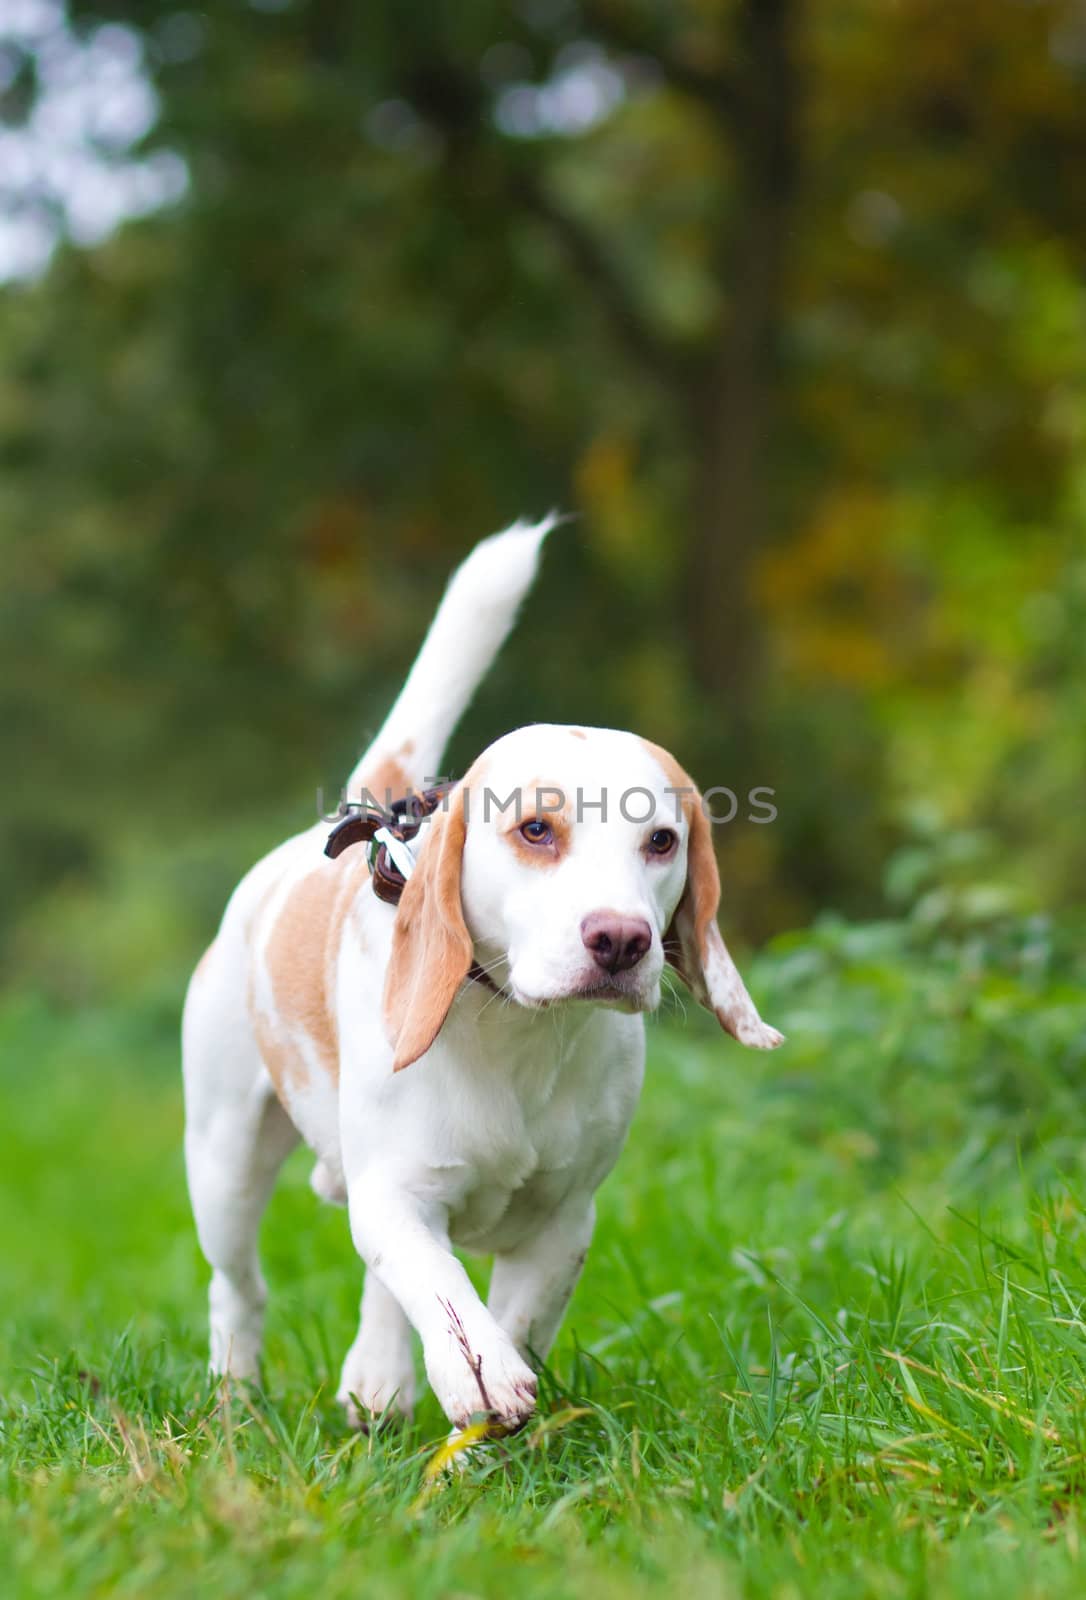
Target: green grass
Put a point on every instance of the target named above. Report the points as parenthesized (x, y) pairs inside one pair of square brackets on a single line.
[(830, 1339)]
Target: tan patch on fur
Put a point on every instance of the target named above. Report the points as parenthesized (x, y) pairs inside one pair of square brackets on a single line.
[(702, 872), (693, 943), (536, 800), (540, 857), (389, 779), (282, 1062), (431, 947), (701, 896), (578, 733), (300, 957)]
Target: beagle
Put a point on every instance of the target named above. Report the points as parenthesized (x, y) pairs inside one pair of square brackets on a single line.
[(465, 1064)]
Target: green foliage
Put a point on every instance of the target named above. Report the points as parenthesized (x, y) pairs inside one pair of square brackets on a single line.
[(829, 1340), (795, 327)]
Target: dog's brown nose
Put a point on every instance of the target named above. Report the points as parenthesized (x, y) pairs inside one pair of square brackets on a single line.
[(617, 943)]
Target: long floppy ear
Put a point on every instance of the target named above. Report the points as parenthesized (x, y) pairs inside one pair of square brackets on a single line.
[(693, 943), (431, 947)]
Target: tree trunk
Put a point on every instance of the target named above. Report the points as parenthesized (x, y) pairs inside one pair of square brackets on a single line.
[(731, 400)]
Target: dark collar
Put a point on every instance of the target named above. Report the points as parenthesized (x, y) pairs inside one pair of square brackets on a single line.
[(358, 822)]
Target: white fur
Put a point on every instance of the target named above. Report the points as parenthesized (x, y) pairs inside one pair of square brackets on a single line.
[(496, 1139)]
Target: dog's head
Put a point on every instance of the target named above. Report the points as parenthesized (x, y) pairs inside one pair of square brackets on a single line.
[(573, 863)]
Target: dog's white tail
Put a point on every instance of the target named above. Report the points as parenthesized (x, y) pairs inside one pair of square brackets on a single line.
[(472, 622)]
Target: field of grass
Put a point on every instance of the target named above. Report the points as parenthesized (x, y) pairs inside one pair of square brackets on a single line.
[(831, 1338)]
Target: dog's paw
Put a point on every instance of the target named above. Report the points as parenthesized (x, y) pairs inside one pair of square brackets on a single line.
[(235, 1353), (751, 1031), (481, 1378), (374, 1386), (376, 1397)]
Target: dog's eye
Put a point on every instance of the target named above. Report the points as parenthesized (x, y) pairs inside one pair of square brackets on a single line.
[(537, 832), (662, 842)]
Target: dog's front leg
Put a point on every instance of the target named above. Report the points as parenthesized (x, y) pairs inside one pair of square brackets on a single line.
[(531, 1286), (473, 1366)]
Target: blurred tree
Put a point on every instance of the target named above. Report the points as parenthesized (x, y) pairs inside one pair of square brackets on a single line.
[(785, 298)]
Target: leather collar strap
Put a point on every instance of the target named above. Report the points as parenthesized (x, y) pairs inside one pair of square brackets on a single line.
[(359, 822)]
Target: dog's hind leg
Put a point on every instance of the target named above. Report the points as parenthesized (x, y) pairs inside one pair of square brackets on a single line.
[(379, 1371), (237, 1136), (233, 1161)]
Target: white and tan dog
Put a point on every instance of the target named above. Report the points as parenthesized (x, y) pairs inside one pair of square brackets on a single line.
[(315, 995)]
